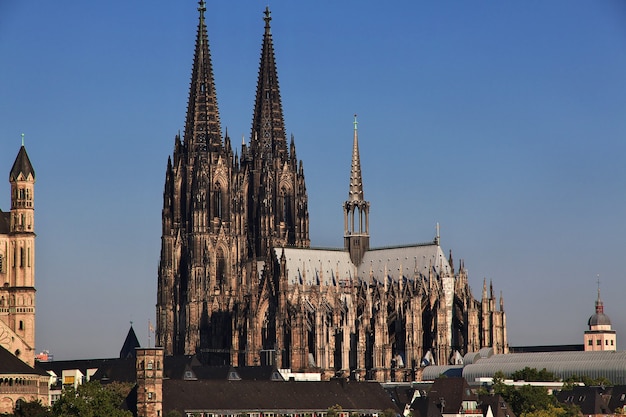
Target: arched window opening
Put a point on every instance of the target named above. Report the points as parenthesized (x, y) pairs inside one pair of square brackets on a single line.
[(285, 209), (221, 269), (217, 201)]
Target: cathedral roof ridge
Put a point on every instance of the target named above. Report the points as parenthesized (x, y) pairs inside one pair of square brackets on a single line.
[(403, 246)]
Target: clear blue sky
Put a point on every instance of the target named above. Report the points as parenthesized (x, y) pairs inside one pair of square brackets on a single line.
[(503, 121)]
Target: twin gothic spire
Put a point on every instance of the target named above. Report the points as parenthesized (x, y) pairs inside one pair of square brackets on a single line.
[(268, 126), (202, 127)]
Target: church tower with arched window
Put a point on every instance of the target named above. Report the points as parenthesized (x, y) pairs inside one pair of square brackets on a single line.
[(17, 263)]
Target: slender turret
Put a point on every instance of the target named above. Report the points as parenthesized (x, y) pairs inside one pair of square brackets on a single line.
[(356, 209)]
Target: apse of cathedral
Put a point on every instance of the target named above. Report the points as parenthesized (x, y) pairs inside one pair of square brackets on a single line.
[(240, 285)]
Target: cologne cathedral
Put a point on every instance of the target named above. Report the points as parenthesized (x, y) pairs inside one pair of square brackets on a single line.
[(240, 285)]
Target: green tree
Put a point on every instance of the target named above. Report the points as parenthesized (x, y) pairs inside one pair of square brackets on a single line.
[(334, 411), (554, 411), (526, 399), (532, 374), (569, 382), (30, 409), (91, 400)]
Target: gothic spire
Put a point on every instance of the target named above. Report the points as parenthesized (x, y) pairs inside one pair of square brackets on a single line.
[(356, 209), (268, 126), (202, 126), (356, 181)]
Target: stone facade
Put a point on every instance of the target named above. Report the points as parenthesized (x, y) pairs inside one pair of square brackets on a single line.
[(239, 283), (17, 263), (149, 371)]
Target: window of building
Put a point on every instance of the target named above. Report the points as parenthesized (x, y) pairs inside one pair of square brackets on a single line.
[(599, 342), (606, 342), (612, 342), (150, 365), (590, 342), (21, 325)]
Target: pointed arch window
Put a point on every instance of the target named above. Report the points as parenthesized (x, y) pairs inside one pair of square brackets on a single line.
[(286, 206), (218, 201), (220, 269)]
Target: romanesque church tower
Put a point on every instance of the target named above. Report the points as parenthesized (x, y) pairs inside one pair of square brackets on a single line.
[(17, 263)]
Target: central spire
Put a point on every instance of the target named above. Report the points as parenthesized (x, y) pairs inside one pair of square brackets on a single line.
[(268, 126), (356, 181), (356, 209), (202, 126)]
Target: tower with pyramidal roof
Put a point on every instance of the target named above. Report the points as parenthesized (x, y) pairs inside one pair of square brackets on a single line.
[(17, 263), (240, 285)]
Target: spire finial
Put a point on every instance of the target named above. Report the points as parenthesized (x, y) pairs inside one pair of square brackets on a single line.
[(201, 9), (23, 145), (355, 122), (599, 303), (268, 17)]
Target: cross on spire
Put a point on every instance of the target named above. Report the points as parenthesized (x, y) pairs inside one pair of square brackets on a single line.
[(268, 16)]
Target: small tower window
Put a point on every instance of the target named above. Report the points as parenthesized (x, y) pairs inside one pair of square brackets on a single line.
[(150, 365), (21, 325), (21, 257)]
